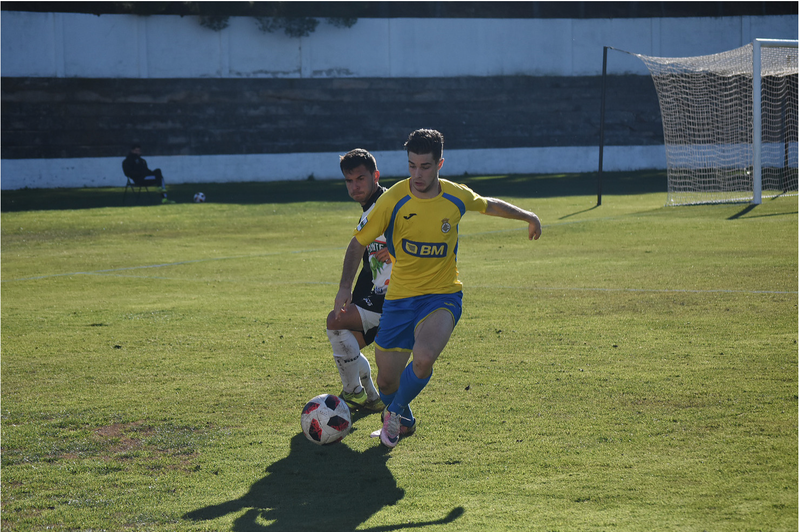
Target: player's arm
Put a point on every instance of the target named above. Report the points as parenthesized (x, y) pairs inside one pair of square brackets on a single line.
[(352, 258), (503, 209)]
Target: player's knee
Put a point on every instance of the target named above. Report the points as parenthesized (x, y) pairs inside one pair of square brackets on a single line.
[(331, 322), (387, 383), (424, 357), (423, 366)]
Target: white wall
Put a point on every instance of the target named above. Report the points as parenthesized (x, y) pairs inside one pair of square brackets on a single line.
[(128, 46), (106, 171)]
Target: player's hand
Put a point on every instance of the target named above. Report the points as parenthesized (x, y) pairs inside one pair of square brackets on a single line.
[(343, 299), (534, 228), (384, 256)]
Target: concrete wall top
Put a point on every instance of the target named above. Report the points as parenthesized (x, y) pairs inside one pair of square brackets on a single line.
[(165, 46)]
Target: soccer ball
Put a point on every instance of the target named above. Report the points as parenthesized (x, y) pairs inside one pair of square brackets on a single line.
[(325, 419), (199, 197)]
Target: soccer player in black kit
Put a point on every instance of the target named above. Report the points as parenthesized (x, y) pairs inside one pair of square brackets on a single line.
[(356, 326)]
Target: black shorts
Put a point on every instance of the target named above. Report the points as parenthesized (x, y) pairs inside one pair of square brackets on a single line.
[(373, 303)]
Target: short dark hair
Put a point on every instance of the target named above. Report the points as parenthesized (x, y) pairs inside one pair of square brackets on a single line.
[(424, 141), (135, 145), (355, 158)]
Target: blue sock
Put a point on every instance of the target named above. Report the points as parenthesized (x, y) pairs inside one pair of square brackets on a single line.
[(407, 417), (410, 387), (387, 398)]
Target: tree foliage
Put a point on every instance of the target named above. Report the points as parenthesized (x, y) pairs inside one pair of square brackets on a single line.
[(292, 26)]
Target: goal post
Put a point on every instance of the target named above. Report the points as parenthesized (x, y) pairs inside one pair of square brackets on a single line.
[(730, 122), (758, 106)]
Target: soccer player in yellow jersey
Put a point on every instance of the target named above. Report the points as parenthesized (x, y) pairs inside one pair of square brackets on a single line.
[(419, 217)]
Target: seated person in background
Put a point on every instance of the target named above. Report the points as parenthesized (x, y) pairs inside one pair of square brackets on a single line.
[(136, 168)]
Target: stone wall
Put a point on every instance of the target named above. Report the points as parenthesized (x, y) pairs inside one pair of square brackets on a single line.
[(45, 118)]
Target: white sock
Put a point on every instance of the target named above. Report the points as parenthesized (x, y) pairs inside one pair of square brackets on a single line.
[(347, 355), (365, 373)]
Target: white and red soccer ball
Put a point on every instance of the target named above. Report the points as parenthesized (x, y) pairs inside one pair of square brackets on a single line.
[(325, 419)]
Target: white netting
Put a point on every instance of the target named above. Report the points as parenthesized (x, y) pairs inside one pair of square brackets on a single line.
[(707, 113)]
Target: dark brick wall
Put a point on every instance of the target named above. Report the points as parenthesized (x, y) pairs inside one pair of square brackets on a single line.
[(70, 117)]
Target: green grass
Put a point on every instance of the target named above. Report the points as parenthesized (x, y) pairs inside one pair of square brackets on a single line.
[(634, 369)]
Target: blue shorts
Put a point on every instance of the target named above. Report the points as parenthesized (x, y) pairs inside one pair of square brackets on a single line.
[(401, 317)]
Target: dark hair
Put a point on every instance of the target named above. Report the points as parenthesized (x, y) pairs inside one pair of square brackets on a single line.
[(134, 146), (424, 141), (355, 158)]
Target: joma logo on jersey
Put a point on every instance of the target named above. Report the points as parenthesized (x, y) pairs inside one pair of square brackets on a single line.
[(425, 249)]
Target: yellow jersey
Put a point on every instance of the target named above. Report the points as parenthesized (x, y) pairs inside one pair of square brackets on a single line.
[(421, 235)]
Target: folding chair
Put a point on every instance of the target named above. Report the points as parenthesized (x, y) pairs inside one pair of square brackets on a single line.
[(131, 184)]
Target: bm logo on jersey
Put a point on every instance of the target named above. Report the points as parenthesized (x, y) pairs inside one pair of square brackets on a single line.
[(425, 249)]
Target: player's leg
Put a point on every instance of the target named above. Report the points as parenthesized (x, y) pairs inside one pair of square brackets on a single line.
[(390, 369), (393, 347), (391, 365), (430, 340), (369, 308), (435, 318), (354, 369), (394, 344), (431, 337), (362, 341), (365, 369), (346, 349)]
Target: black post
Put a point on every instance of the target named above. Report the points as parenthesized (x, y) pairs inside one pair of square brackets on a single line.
[(602, 129)]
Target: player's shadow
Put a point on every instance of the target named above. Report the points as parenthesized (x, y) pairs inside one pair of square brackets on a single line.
[(330, 488)]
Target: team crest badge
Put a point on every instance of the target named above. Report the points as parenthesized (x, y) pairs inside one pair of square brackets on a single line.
[(446, 225)]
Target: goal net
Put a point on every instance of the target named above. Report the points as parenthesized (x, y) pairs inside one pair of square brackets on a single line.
[(711, 109)]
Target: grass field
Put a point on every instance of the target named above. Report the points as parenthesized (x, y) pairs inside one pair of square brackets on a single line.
[(634, 369)]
